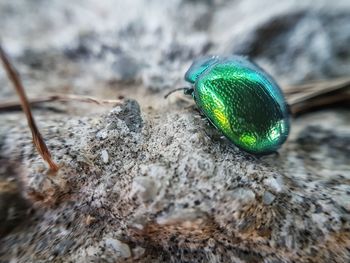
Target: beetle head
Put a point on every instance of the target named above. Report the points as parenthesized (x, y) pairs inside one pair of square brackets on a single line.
[(199, 66)]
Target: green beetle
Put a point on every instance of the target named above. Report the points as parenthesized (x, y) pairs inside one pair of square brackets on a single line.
[(241, 100)]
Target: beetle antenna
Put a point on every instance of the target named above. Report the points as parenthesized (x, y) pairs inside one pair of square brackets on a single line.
[(186, 90)]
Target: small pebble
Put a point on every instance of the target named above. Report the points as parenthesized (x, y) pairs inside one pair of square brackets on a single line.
[(268, 198), (122, 249), (105, 156)]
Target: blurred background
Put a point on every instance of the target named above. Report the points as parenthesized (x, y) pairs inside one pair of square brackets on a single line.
[(95, 47), (140, 49)]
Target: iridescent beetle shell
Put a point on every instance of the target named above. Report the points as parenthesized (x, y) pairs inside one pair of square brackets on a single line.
[(242, 101)]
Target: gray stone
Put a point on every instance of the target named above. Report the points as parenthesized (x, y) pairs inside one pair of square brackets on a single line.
[(130, 113), (104, 156), (268, 198), (146, 180), (120, 248)]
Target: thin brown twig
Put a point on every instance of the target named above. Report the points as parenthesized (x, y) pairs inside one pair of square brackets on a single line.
[(13, 105), (315, 89), (321, 102), (315, 84), (37, 138), (308, 97)]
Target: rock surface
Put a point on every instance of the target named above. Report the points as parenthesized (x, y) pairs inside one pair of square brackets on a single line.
[(142, 181)]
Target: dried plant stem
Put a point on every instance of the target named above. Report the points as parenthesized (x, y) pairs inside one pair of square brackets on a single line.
[(14, 105), (308, 97), (321, 102), (37, 138)]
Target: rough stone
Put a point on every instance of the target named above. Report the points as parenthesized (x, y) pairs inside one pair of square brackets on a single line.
[(120, 248), (268, 198), (169, 191)]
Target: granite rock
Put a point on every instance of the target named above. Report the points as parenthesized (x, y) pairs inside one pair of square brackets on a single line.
[(146, 181)]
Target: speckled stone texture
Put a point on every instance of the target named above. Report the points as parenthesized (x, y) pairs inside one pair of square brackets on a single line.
[(149, 180)]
